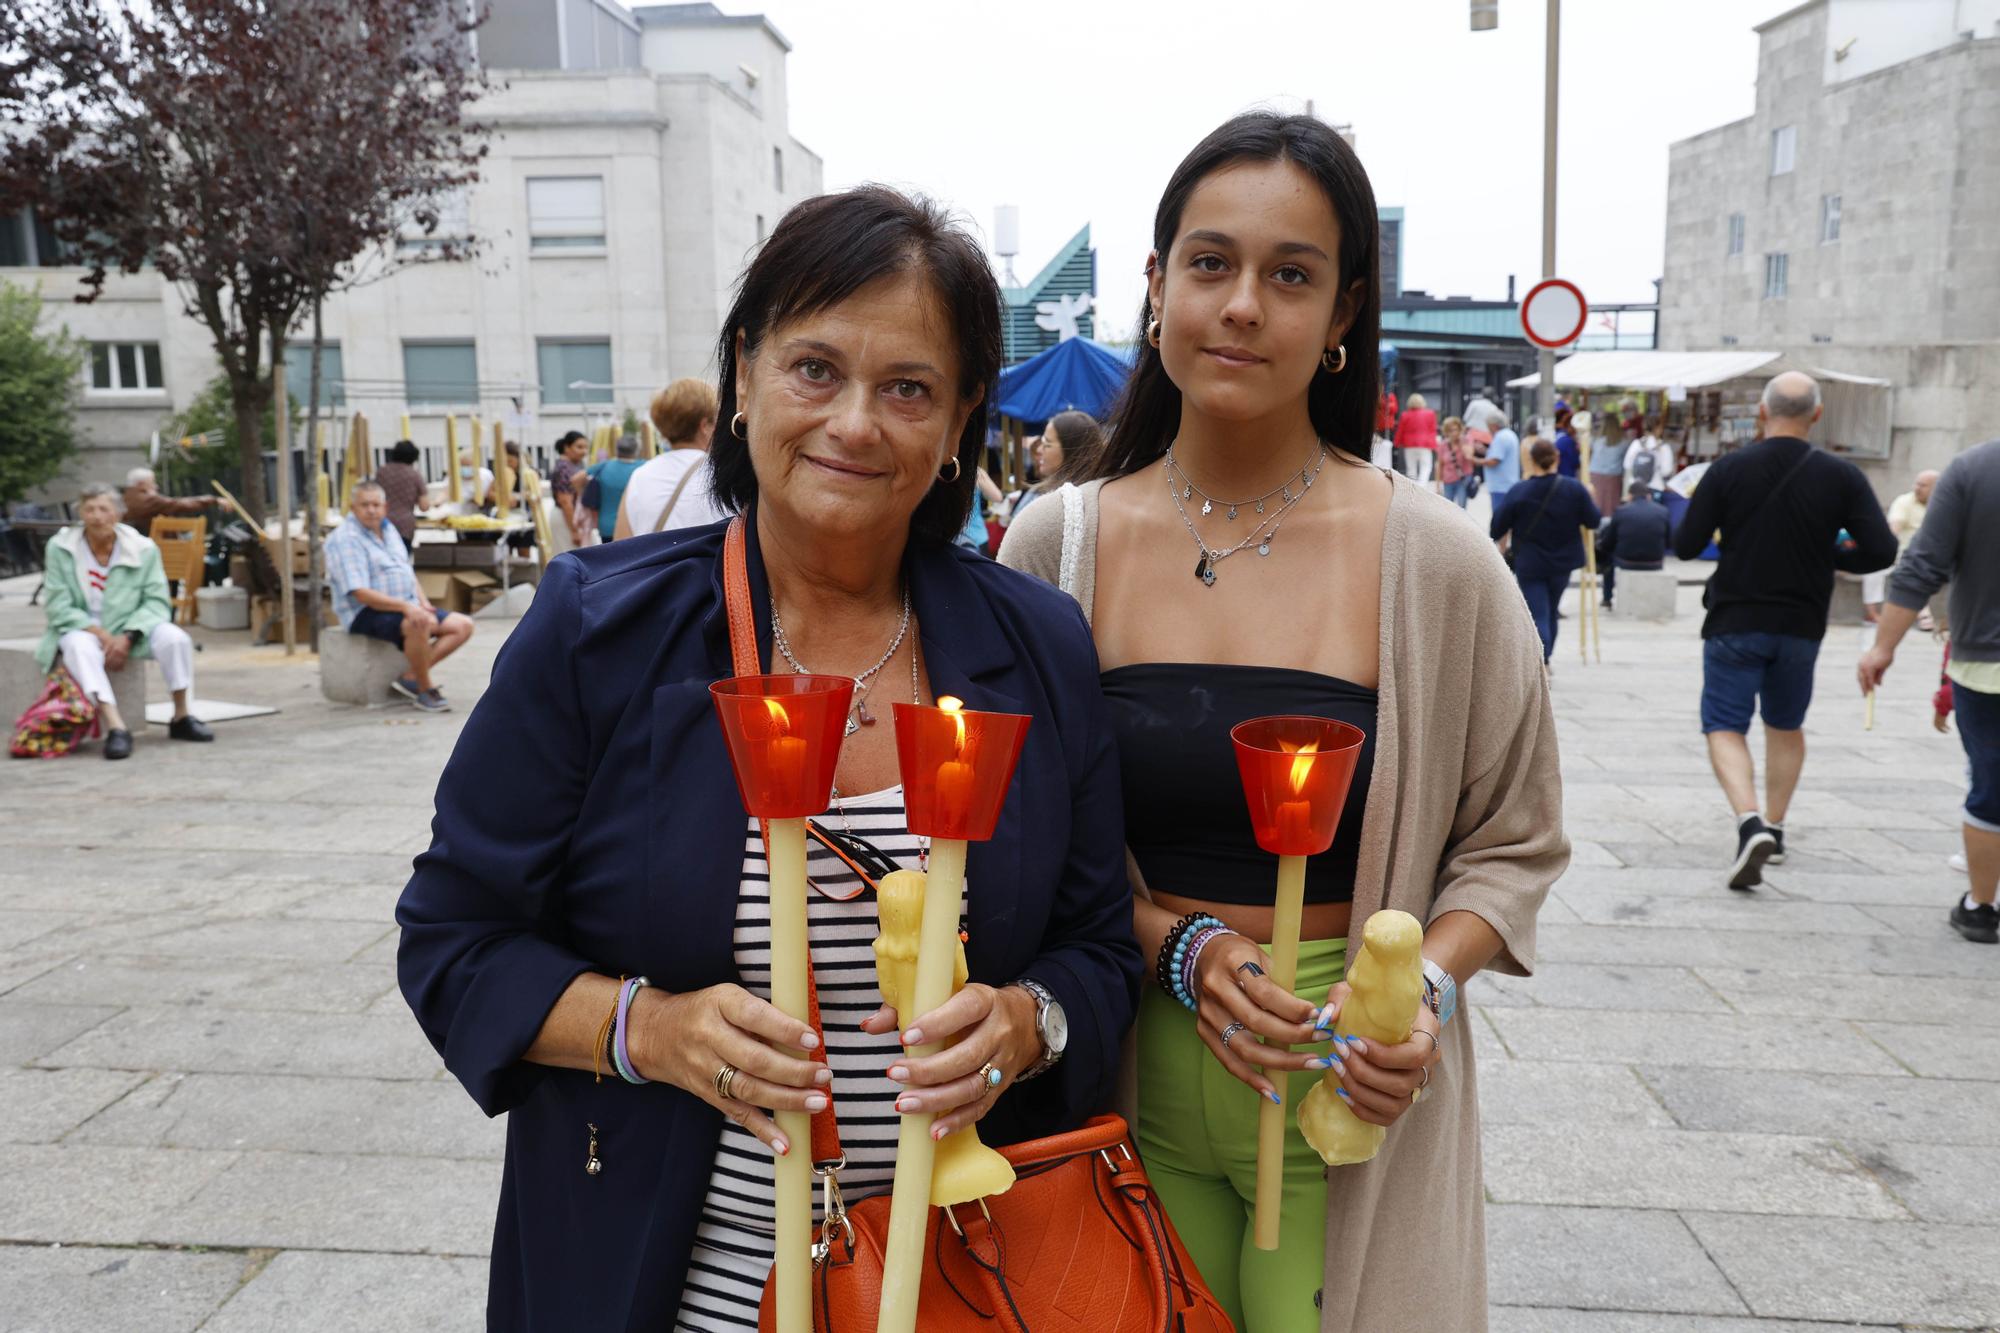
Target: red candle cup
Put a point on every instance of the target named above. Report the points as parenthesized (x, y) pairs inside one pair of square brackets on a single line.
[(956, 766), (784, 735), (1296, 772)]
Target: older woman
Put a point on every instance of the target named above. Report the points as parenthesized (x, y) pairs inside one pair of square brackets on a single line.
[(854, 368), (107, 604)]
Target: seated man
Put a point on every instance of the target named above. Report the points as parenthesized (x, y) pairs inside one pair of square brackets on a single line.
[(1636, 537), (107, 603), (375, 593), (144, 503)]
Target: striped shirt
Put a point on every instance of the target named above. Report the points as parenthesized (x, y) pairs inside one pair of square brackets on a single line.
[(734, 1244)]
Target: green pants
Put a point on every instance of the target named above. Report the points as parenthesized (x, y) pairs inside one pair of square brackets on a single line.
[(1198, 1136)]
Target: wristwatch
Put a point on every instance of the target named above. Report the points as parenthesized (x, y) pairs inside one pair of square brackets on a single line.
[(1440, 992), (1051, 1026)]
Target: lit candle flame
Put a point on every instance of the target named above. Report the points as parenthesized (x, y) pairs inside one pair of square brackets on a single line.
[(781, 722), (1302, 762), (956, 707)]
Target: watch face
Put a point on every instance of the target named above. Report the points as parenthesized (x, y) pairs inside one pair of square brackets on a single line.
[(1055, 1028)]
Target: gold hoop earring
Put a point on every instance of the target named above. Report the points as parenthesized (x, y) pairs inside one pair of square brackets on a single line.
[(957, 471), (738, 427), (1333, 367), (1153, 333)]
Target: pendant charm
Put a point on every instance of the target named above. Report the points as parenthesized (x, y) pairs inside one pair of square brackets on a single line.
[(1260, 506), (1187, 492), (1264, 548), (861, 713), (1204, 569), (1232, 513), (1285, 493), (852, 727), (1206, 507), (592, 1165)]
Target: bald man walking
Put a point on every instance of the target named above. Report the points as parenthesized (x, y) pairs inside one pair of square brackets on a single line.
[(1781, 506)]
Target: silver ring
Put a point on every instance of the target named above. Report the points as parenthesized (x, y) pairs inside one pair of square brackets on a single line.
[(1426, 1032), (1231, 1031), (725, 1082)]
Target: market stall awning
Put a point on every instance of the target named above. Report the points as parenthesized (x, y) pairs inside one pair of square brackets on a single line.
[(1668, 370), (1077, 373)]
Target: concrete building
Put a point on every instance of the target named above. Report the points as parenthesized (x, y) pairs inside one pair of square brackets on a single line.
[(636, 159), (1848, 222)]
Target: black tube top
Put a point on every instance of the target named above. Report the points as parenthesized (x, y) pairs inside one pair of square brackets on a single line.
[(1185, 817)]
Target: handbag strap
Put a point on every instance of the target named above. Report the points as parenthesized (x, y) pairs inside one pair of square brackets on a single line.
[(826, 1153), (675, 498)]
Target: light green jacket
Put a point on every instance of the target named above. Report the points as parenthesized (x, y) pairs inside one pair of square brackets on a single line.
[(135, 593)]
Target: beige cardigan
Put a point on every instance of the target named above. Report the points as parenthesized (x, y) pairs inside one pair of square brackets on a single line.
[(1464, 814)]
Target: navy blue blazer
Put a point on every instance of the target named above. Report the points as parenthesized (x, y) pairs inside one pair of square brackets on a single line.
[(588, 820)]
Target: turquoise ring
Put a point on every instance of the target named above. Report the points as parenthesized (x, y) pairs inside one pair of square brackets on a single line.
[(992, 1077)]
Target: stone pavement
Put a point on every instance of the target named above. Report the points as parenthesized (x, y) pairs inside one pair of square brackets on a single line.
[(1706, 1111)]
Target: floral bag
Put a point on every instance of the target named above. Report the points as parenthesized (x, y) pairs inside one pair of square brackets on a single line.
[(59, 720)]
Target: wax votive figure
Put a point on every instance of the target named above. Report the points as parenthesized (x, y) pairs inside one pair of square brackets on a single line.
[(105, 593), (1238, 557), (639, 1176)]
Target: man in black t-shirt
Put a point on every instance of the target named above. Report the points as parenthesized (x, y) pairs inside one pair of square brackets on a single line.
[(1781, 507), (1637, 537)]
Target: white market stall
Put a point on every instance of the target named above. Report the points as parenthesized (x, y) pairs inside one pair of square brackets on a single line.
[(1709, 399)]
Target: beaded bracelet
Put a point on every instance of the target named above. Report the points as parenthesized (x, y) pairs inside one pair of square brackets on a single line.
[(620, 1056), (1196, 944), (1182, 938), (1163, 966)]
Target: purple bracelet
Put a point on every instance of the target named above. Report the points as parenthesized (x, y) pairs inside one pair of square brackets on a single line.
[(619, 1055), (1193, 957)]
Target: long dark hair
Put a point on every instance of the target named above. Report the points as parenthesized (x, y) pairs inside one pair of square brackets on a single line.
[(1342, 406), (1082, 441), (825, 250)]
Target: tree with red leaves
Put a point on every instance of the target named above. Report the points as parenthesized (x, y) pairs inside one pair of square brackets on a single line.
[(256, 153)]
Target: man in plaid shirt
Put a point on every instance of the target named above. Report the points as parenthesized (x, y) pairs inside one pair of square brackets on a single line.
[(375, 593)]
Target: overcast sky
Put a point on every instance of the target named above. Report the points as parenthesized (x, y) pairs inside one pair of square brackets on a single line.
[(1077, 111)]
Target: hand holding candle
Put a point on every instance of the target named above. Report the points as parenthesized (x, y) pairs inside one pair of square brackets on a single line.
[(1296, 772), (956, 767), (784, 735)]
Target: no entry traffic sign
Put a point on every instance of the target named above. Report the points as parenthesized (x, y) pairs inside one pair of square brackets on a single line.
[(1553, 313)]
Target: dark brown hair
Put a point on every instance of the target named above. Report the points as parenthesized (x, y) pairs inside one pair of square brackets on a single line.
[(1342, 406), (1544, 454), (1082, 441), (824, 251)]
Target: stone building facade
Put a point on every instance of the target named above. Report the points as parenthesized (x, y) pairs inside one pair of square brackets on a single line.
[(1850, 220), (637, 157)]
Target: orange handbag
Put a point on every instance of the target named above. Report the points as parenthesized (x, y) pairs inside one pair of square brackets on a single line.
[(1080, 1244)]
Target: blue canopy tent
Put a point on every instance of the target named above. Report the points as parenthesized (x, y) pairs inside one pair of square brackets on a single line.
[(1077, 373)]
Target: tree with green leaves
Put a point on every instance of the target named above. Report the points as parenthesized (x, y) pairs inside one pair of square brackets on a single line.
[(40, 374), (252, 151)]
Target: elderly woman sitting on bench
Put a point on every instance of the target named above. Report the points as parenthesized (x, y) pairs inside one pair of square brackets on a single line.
[(107, 603)]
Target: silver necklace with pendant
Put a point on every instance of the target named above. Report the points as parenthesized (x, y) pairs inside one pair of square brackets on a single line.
[(1261, 536), (1282, 492), (858, 715)]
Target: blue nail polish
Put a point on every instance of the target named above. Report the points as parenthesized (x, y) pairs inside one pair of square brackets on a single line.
[(1338, 1067), (1342, 1092), (1318, 1062), (1340, 1042), (1276, 1100)]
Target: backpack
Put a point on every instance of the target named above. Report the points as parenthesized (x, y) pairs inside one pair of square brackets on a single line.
[(1644, 464), (59, 720)]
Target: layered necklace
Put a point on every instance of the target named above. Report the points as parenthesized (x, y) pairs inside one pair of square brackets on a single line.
[(1271, 508), (858, 715)]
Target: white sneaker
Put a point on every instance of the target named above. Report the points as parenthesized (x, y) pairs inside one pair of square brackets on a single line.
[(1957, 862)]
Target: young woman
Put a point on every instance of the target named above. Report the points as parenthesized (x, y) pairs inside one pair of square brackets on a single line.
[(1319, 584), (1454, 455)]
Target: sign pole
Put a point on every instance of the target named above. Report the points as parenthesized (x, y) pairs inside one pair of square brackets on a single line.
[(1545, 393)]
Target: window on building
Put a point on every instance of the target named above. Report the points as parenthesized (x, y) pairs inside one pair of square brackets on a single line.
[(778, 168), (1776, 274), (565, 213), (1735, 233), (1784, 149), (454, 223), (125, 368), (299, 369), (566, 362), (1829, 218), (27, 242), (440, 374)]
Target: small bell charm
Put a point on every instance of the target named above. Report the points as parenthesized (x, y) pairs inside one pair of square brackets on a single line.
[(592, 1165)]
